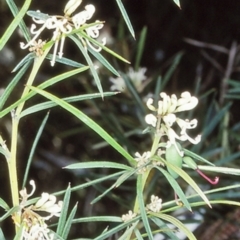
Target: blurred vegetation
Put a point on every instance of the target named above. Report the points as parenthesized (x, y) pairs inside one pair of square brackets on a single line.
[(178, 57)]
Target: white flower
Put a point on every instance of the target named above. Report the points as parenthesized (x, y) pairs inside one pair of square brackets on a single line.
[(137, 78), (155, 205), (34, 226), (64, 25), (37, 231), (142, 161), (118, 84), (61, 28), (37, 47), (129, 216), (48, 204), (80, 18), (166, 117), (93, 32)]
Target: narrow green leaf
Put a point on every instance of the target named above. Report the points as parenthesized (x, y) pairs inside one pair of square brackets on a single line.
[(176, 188), (46, 84), (129, 231), (138, 234), (210, 125), (33, 148), (68, 224), (196, 156), (225, 170), (116, 229), (50, 104), (189, 180), (9, 213), (171, 69), (140, 48), (142, 207), (103, 61), (126, 18), (65, 61), (98, 164), (125, 176), (63, 215), (2, 237), (97, 219), (88, 121), (14, 24), (164, 228), (27, 59), (4, 205), (90, 63), (84, 35), (15, 10), (176, 223), (103, 194), (12, 84)]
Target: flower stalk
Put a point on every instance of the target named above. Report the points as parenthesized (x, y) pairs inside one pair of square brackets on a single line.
[(12, 160)]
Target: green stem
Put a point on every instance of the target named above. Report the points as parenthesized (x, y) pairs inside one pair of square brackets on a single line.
[(146, 174), (12, 160)]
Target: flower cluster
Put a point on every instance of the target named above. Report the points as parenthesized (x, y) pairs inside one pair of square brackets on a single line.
[(165, 117), (155, 205), (129, 216), (142, 161), (137, 78), (34, 226), (64, 25)]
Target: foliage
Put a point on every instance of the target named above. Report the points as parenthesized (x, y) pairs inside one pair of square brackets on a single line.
[(132, 181)]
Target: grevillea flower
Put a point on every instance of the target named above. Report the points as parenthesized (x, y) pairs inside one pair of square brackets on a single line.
[(129, 216), (34, 226), (142, 161), (155, 205), (165, 117), (137, 78), (64, 25)]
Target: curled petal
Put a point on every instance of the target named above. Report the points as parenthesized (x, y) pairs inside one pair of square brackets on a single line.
[(151, 120), (79, 19), (172, 136), (186, 124), (44, 198), (93, 31), (185, 137), (50, 203), (63, 26), (90, 11), (169, 119), (150, 105), (52, 23), (187, 102)]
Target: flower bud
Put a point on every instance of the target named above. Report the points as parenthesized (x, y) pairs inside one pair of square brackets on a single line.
[(71, 6)]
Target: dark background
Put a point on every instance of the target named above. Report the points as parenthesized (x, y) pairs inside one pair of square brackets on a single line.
[(216, 22)]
